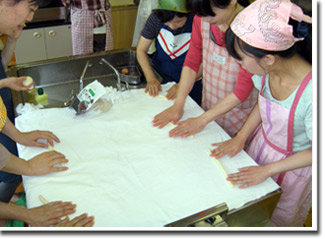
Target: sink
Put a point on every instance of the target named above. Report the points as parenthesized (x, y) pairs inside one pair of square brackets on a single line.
[(60, 77)]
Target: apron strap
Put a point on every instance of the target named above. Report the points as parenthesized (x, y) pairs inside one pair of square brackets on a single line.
[(291, 119), (293, 109)]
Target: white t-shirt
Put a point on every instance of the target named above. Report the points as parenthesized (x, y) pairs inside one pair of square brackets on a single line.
[(302, 128)]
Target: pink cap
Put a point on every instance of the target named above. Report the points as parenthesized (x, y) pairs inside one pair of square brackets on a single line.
[(264, 24)]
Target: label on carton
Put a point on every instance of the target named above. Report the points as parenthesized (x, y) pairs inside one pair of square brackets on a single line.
[(90, 94)]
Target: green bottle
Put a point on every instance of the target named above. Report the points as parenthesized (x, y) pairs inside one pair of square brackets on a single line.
[(41, 97)]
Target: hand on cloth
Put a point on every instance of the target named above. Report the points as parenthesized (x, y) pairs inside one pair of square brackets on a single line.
[(172, 92), (49, 214), (232, 146), (249, 176), (81, 221), (172, 114), (187, 128), (44, 163), (153, 87), (32, 138)]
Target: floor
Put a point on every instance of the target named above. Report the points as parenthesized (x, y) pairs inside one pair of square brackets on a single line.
[(308, 222)]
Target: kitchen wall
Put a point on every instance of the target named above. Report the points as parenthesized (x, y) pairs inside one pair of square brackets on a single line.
[(121, 2)]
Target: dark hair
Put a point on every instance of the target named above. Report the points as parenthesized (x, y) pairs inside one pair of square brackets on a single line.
[(203, 8), (302, 47), (167, 15)]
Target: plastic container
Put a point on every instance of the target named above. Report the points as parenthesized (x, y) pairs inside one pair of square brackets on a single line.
[(30, 95), (41, 97), (133, 75)]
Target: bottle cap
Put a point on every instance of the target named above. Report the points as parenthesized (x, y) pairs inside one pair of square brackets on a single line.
[(40, 91)]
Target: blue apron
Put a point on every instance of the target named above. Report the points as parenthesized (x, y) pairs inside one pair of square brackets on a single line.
[(170, 55), (4, 140)]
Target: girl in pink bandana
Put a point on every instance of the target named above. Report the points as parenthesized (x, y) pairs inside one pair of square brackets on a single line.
[(264, 43)]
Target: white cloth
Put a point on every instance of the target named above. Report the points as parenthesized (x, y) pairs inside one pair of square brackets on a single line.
[(128, 173)]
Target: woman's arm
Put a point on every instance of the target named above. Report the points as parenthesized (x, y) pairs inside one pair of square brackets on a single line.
[(46, 215), (153, 85), (236, 144), (249, 176), (41, 164), (175, 112), (29, 138), (194, 125)]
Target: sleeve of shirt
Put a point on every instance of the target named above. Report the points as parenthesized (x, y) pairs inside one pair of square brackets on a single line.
[(4, 156), (152, 27), (244, 85), (257, 81), (194, 55)]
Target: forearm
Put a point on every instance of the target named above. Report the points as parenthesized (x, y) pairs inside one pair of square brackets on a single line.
[(145, 65), (17, 166), (298, 160), (252, 122), (3, 83), (14, 212), (188, 78), (11, 131), (220, 109)]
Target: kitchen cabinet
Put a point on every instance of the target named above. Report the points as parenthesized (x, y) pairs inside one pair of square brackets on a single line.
[(123, 20), (43, 43)]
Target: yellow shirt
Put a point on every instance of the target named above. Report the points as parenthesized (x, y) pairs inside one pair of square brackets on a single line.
[(3, 114)]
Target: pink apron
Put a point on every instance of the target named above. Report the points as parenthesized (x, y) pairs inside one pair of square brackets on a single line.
[(220, 72), (82, 27), (272, 142)]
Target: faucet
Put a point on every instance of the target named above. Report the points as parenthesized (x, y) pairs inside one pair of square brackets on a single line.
[(118, 85), (83, 75)]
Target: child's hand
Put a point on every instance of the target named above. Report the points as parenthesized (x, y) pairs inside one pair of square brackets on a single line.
[(172, 92), (172, 114), (232, 146), (249, 176), (187, 128), (153, 86)]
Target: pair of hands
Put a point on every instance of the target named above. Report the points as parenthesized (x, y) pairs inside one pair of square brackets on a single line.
[(50, 214), (247, 176), (154, 86), (43, 163), (184, 128)]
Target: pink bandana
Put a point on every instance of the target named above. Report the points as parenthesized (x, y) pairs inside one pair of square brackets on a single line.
[(264, 24)]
